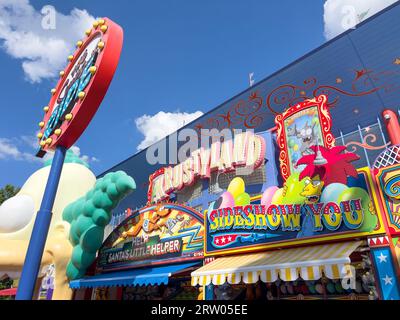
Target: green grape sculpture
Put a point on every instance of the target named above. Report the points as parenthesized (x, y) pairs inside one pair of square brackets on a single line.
[(88, 217)]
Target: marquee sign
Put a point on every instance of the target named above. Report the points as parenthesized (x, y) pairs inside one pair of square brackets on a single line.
[(245, 150), (159, 234), (256, 226), (82, 86)]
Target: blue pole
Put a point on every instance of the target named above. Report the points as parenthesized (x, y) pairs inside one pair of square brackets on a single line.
[(37, 242)]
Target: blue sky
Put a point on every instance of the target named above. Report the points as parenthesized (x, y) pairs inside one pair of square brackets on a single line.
[(179, 56)]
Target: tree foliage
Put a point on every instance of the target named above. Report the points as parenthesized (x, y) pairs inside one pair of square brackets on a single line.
[(7, 192)]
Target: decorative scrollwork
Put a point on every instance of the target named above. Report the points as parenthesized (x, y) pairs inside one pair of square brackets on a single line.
[(333, 99), (250, 112), (366, 144)]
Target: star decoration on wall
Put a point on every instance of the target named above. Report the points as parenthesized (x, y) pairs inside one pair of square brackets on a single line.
[(388, 280), (382, 258), (339, 80), (397, 61)]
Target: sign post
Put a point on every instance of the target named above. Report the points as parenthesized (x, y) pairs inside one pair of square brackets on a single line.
[(40, 229), (74, 102)]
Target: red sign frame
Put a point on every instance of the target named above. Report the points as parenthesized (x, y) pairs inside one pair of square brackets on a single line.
[(325, 122)]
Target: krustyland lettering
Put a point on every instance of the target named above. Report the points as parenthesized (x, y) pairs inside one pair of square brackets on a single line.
[(246, 150), (330, 215)]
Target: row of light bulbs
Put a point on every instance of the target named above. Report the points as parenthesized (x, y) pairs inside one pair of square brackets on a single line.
[(68, 117)]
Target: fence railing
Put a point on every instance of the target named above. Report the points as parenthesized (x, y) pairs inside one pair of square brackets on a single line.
[(367, 142)]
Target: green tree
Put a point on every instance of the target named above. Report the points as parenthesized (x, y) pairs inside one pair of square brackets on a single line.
[(7, 192), (6, 283)]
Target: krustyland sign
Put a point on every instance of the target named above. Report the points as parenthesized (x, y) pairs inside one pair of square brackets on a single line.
[(245, 150), (161, 234)]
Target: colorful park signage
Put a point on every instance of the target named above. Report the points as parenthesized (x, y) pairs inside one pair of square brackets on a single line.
[(287, 217), (388, 179), (245, 150), (82, 86), (256, 226), (159, 234)]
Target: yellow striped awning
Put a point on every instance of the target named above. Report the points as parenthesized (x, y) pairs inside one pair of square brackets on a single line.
[(288, 264)]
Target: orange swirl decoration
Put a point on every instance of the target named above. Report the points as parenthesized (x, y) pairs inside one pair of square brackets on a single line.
[(366, 144)]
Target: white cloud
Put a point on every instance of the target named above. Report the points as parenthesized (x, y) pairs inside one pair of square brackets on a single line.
[(77, 151), (31, 141), (43, 51), (340, 15), (10, 150), (158, 126), (14, 149)]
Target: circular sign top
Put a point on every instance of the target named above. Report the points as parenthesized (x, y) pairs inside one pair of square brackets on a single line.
[(82, 86)]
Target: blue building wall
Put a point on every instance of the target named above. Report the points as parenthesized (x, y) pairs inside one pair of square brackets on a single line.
[(358, 71)]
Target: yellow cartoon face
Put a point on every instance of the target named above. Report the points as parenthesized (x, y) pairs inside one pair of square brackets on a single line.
[(313, 189)]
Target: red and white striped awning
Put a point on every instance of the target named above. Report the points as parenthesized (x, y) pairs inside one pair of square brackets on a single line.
[(308, 263)]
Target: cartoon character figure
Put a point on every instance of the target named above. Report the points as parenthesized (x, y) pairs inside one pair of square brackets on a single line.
[(156, 221), (185, 222), (312, 192), (306, 135), (313, 189), (333, 165), (17, 217)]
